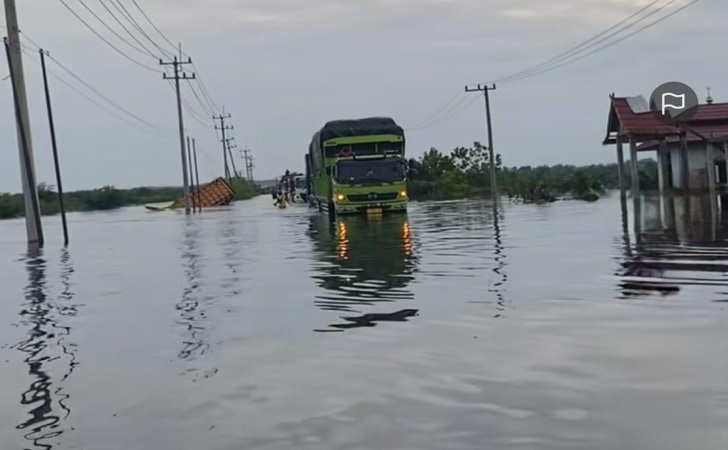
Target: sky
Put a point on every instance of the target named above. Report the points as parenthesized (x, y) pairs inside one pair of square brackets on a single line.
[(282, 68)]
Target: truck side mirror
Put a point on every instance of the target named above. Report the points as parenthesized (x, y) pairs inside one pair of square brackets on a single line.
[(328, 171)]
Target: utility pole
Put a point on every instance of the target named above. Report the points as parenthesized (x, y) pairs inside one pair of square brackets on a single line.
[(223, 128), (197, 175), (248, 165), (484, 89), (230, 148), (191, 174), (33, 226), (251, 166), (54, 145), (180, 75)]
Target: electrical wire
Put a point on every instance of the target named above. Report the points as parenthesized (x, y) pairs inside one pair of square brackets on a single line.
[(154, 130), (146, 50), (563, 58), (140, 64), (446, 113), (454, 113), (189, 108), (94, 90), (122, 38), (88, 86), (585, 44), (433, 115), (128, 16), (205, 92), (153, 25), (205, 108), (604, 47)]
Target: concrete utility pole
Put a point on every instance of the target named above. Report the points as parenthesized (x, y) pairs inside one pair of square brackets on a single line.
[(191, 174), (54, 145), (179, 75), (248, 164), (245, 159), (25, 146), (223, 128), (484, 89), (230, 147), (197, 172)]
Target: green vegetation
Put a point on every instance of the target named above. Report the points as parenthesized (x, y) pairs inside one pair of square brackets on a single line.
[(243, 189), (465, 172), (105, 198)]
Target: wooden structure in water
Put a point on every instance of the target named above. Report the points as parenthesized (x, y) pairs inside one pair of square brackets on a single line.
[(216, 193)]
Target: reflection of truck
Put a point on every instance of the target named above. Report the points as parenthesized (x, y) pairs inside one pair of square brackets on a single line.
[(357, 165), (379, 259)]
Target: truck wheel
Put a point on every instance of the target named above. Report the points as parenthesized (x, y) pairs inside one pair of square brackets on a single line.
[(332, 212)]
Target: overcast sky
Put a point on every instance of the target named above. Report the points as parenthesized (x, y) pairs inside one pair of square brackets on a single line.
[(283, 68)]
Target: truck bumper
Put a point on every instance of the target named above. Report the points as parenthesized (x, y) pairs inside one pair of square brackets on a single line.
[(357, 208)]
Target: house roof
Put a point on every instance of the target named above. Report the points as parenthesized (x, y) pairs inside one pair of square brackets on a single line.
[(630, 116), (704, 130)]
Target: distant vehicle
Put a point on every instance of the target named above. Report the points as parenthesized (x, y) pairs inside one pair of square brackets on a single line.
[(294, 185), (357, 166), (300, 191)]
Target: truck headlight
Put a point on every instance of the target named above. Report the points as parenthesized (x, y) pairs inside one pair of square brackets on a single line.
[(339, 196), (403, 193)]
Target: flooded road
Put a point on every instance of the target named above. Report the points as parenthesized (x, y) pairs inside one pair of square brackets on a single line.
[(458, 326)]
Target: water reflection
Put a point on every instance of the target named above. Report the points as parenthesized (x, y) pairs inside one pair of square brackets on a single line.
[(679, 241), (46, 345), (191, 307), (363, 262), (232, 248), (499, 269)]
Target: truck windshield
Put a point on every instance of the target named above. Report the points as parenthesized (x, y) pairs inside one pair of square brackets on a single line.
[(372, 171)]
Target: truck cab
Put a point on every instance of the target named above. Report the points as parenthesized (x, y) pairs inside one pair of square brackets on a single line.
[(366, 184)]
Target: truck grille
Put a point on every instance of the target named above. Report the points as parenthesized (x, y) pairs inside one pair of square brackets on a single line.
[(373, 197)]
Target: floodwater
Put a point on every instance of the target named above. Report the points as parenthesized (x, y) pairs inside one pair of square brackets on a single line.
[(459, 326)]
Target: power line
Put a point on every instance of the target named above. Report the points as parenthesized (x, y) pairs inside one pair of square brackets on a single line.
[(604, 47), (582, 45), (106, 41), (205, 108), (205, 92), (433, 115), (122, 38), (452, 112), (199, 79), (155, 27), (146, 50), (86, 84), (188, 107), (125, 12), (542, 67), (97, 104)]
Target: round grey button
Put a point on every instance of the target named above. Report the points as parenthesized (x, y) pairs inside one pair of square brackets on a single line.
[(673, 102)]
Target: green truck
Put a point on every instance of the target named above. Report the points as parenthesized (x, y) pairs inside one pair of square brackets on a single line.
[(357, 166)]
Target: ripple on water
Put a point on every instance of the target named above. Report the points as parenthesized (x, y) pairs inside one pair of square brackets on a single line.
[(456, 326)]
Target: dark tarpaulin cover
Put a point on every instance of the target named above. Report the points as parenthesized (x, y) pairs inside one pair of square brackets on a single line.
[(360, 127)]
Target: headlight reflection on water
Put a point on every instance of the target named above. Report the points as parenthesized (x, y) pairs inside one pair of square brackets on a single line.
[(343, 241)]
